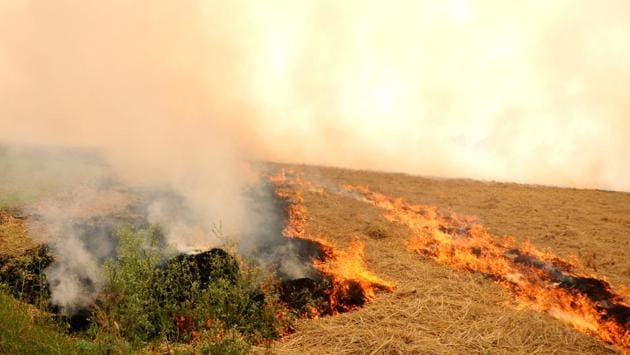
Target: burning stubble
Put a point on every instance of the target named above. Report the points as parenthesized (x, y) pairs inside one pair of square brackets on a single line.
[(180, 94), (538, 278)]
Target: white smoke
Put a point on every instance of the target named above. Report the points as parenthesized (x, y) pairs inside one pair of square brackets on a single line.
[(178, 94)]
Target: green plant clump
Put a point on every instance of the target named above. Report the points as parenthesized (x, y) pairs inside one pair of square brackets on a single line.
[(24, 275), (208, 297)]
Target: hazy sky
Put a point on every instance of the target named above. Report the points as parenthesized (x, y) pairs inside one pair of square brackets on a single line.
[(530, 91)]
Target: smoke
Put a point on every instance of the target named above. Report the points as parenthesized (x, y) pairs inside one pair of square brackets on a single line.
[(75, 279), (135, 82), (528, 92), (179, 94), (77, 224)]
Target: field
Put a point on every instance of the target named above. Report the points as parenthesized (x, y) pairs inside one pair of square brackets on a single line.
[(433, 308), (436, 309)]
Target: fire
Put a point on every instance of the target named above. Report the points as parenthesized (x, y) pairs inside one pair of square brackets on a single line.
[(352, 284), (537, 278)]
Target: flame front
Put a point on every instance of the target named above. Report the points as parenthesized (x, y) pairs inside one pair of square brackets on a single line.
[(352, 283), (538, 278)]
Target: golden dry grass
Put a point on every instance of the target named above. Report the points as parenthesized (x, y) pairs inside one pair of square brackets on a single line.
[(438, 310), (14, 239)]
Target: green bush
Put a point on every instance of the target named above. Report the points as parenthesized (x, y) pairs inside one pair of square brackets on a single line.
[(149, 296), (24, 275), (153, 297), (129, 305)]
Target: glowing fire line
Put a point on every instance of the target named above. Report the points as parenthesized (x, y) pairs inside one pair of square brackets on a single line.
[(345, 267), (538, 278)]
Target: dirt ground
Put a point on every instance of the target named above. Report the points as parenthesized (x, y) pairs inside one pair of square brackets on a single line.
[(436, 309)]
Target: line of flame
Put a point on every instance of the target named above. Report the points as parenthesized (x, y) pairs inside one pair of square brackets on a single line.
[(463, 244)]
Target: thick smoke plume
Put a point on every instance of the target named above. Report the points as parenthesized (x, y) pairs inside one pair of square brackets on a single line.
[(77, 224), (530, 92), (180, 93)]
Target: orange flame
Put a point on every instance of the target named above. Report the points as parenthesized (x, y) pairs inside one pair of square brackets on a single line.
[(352, 283), (538, 278)]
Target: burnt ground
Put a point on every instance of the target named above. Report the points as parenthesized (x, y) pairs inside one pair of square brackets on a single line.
[(436, 309)]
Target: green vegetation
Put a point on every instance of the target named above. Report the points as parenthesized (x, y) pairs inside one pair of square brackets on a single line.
[(27, 330), (129, 298), (206, 296), (151, 301), (24, 278)]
